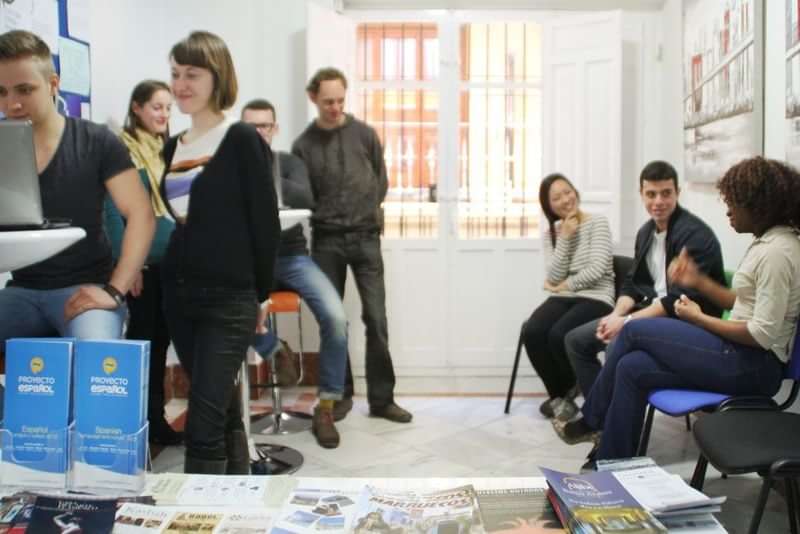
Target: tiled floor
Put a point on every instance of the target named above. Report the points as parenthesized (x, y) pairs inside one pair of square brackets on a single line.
[(470, 436)]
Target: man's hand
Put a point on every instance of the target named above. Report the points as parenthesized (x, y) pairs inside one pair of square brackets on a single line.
[(683, 270), (688, 310), (261, 320), (88, 298), (138, 285), (609, 326)]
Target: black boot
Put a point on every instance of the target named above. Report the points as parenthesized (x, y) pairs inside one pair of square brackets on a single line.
[(238, 451), (204, 466)]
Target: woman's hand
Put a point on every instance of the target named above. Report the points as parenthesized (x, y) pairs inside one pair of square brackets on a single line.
[(137, 286), (88, 298), (683, 270), (688, 310), (569, 225), (555, 288)]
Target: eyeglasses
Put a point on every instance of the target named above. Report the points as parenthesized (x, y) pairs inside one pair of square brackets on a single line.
[(266, 126)]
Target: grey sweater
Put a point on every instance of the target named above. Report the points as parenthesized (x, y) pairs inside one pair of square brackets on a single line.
[(584, 260), (348, 176)]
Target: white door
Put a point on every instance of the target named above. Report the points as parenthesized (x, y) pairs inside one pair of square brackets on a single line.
[(455, 303)]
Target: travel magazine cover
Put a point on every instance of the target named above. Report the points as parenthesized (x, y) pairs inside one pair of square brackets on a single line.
[(597, 503), (315, 510), (57, 515), (451, 511)]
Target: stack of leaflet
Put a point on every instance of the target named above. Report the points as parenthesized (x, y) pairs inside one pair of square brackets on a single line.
[(680, 507)]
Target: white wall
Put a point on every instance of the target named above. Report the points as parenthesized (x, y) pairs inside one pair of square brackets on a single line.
[(703, 199)]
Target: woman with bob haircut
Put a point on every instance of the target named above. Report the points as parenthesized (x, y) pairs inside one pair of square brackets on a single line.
[(218, 266), (744, 355), (580, 279)]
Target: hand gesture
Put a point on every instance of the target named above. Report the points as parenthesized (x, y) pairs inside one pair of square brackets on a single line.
[(88, 298), (609, 326), (687, 309), (683, 270), (569, 225), (555, 288)]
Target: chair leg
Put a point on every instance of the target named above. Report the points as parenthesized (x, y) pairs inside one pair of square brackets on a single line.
[(645, 437), (759, 509), (796, 504), (699, 475), (688, 423), (514, 370), (791, 500)]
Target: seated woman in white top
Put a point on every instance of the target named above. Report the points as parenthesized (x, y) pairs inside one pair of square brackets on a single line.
[(741, 356), (580, 279)]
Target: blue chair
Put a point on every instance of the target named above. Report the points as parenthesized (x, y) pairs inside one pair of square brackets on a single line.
[(682, 402)]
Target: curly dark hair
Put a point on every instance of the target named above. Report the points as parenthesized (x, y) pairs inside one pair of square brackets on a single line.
[(770, 189)]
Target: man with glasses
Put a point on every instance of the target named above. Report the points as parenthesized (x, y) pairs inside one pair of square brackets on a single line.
[(295, 270)]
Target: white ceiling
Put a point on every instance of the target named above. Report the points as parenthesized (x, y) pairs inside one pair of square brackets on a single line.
[(569, 5)]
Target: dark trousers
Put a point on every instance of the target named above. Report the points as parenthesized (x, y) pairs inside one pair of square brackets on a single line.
[(544, 338), (146, 321), (582, 347), (661, 353), (361, 251), (211, 329)]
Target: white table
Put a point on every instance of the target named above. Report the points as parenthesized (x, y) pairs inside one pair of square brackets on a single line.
[(26, 247), (291, 217)]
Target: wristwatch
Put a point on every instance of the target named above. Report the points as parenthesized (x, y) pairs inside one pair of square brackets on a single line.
[(118, 297)]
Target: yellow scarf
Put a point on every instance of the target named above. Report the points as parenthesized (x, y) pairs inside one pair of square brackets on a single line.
[(146, 154)]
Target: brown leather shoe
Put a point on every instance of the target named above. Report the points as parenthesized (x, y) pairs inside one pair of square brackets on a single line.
[(392, 412), (323, 428)]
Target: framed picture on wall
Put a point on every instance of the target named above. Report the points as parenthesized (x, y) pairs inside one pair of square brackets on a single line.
[(723, 85), (793, 82)]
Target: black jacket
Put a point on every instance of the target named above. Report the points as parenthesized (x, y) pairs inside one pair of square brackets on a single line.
[(231, 233), (683, 230)]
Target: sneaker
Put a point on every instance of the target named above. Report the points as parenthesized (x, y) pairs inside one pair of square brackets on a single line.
[(286, 366), (547, 408), (392, 412), (341, 408), (565, 410), (323, 428), (576, 431)]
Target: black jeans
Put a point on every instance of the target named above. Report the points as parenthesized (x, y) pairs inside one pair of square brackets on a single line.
[(361, 251), (582, 347), (211, 329), (544, 338), (146, 321)]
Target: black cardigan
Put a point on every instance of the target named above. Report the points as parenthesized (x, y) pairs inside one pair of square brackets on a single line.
[(683, 230), (231, 233)]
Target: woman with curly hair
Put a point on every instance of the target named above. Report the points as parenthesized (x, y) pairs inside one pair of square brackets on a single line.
[(744, 355)]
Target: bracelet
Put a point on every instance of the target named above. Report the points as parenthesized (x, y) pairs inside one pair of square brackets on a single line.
[(118, 297)]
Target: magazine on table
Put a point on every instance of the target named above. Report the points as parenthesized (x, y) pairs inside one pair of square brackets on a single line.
[(59, 515), (597, 503), (316, 510), (181, 489), (517, 510), (450, 511), (659, 491)]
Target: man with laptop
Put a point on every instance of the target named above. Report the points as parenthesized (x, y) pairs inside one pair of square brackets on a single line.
[(295, 270), (78, 292)]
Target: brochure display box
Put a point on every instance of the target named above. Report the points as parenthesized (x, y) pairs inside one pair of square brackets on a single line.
[(108, 464), (34, 462)]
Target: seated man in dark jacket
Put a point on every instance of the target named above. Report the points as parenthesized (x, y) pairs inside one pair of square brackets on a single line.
[(646, 291)]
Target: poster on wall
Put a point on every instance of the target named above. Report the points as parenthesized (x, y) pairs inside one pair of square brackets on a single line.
[(793, 82), (722, 85)]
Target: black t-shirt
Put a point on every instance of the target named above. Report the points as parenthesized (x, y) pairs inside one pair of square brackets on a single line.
[(73, 187)]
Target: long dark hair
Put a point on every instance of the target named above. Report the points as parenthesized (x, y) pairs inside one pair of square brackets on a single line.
[(141, 95), (544, 201)]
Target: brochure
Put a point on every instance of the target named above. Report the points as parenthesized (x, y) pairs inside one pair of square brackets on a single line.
[(58, 515), (317, 510), (597, 503)]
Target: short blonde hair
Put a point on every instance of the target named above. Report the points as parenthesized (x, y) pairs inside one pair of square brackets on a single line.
[(207, 50)]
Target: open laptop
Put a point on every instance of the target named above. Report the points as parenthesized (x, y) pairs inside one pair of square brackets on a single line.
[(20, 199)]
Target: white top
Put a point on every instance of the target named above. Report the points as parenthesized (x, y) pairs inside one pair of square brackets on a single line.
[(767, 287), (189, 161), (656, 262)]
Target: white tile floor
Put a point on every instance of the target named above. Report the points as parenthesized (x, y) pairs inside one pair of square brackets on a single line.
[(471, 436)]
